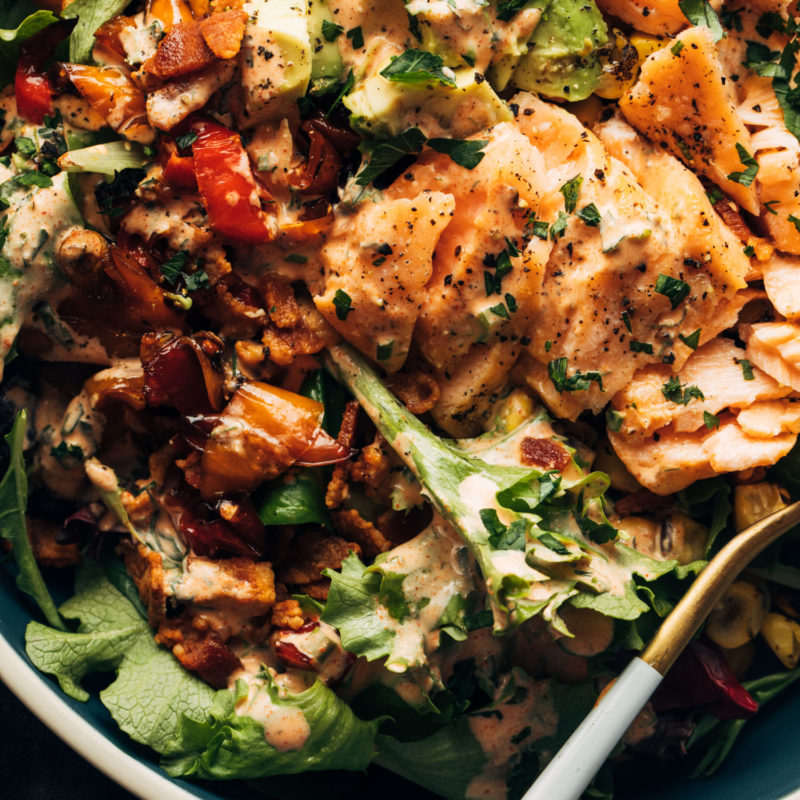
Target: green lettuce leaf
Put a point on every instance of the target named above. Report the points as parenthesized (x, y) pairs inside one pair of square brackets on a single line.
[(14, 528), (444, 763), (296, 498), (105, 159), (152, 691), (227, 746), (10, 38), (91, 14)]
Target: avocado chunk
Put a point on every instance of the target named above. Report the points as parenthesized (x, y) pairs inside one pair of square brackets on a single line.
[(562, 60), (384, 108), (326, 60), (275, 58)]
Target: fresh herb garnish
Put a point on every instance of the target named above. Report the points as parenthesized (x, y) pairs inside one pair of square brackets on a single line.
[(330, 30), (692, 340), (571, 189), (417, 66), (342, 303), (356, 36), (577, 382), (747, 369), (590, 215), (386, 154), (711, 421), (682, 395), (185, 141), (384, 351), (641, 347), (673, 289), (467, 153), (700, 12), (746, 177)]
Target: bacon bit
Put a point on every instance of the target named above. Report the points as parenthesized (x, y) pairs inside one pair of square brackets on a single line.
[(350, 522), (419, 391), (734, 220), (147, 572), (291, 656), (223, 32), (545, 453), (202, 653), (338, 491), (288, 614), (181, 51), (641, 500)]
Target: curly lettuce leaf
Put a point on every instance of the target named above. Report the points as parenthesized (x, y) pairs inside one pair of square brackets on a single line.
[(14, 528), (226, 745), (539, 540), (152, 691)]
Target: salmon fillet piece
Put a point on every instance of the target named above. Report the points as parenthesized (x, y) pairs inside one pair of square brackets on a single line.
[(659, 17), (671, 461), (715, 369), (775, 348), (376, 264), (682, 101), (781, 275)]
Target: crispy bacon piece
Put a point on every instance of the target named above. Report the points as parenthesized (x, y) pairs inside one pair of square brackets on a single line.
[(223, 32), (147, 571), (181, 51), (418, 390), (200, 651), (543, 453)]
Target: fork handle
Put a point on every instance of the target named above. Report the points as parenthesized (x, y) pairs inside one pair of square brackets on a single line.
[(576, 763)]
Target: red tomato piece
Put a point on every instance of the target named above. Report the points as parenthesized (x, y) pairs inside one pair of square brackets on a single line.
[(227, 185)]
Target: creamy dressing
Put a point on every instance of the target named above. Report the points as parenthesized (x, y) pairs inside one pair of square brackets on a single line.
[(502, 732)]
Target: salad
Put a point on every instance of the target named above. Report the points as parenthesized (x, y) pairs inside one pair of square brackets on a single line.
[(385, 371)]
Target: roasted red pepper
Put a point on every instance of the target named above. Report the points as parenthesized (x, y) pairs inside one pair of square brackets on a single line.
[(227, 185), (32, 88), (178, 169)]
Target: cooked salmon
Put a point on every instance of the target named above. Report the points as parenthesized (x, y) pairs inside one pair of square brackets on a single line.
[(781, 276), (775, 348), (659, 17), (376, 264), (671, 461), (715, 369), (683, 101)]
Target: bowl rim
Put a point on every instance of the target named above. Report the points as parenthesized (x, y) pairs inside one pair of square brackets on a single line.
[(47, 703)]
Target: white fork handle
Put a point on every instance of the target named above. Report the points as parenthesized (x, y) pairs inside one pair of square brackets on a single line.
[(577, 762)]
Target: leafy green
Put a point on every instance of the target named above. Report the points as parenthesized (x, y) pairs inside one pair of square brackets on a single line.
[(296, 498), (13, 527), (747, 176), (590, 215), (673, 289), (571, 190), (225, 745), (710, 501), (151, 691), (444, 763), (386, 154), (577, 382), (331, 31), (91, 14), (417, 66), (467, 153), (106, 159), (342, 303), (700, 12), (676, 392), (714, 738), (320, 386), (490, 505), (10, 39), (692, 340)]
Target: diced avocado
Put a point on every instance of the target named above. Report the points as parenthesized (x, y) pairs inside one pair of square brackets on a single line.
[(384, 108), (326, 61), (275, 58), (562, 59)]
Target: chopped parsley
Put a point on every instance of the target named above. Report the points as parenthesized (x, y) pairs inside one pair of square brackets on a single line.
[(750, 251), (692, 340), (550, 541), (25, 146), (746, 177), (676, 48), (682, 395), (558, 228), (342, 303), (417, 66), (195, 280), (508, 9), (186, 141), (500, 310), (571, 189), (384, 351), (385, 155), (710, 420), (467, 153), (295, 258), (700, 12), (330, 30), (614, 420), (641, 347), (172, 268), (503, 537), (795, 221), (577, 382), (356, 36), (67, 454), (590, 215), (673, 289), (539, 228), (747, 369)]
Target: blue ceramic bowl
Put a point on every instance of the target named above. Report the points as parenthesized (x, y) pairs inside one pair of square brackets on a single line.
[(764, 765)]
